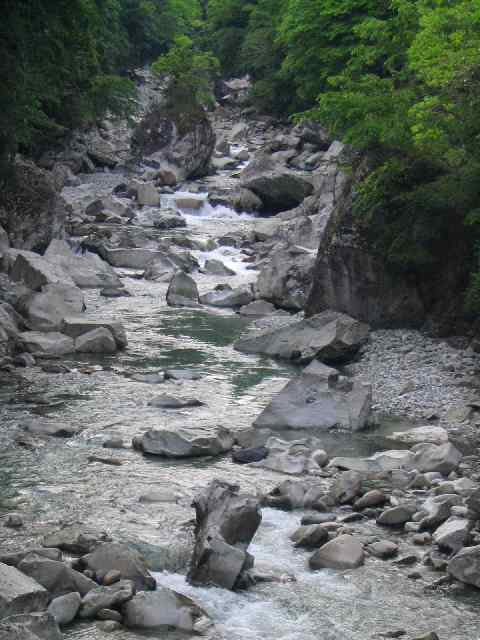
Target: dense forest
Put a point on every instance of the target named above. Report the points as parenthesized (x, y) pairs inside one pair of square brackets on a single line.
[(399, 80)]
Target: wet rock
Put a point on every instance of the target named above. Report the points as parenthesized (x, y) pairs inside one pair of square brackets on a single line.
[(287, 495), (383, 549), (225, 525), (58, 578), (257, 308), (182, 291), (106, 597), (329, 336), (310, 536), (45, 310), (292, 457), (245, 200), (75, 539), (51, 344), (374, 498), (111, 556), (436, 510), (131, 258), (36, 272), (217, 268), (147, 194), (226, 297), (14, 558), (13, 521), (182, 374), (170, 219), (246, 456), (155, 496), (109, 614), (453, 534), (187, 443), (114, 292), (315, 400), (97, 341), (465, 566), (77, 327), (30, 626), (20, 593), (189, 202), (43, 427), (342, 553), (346, 487), (165, 401), (165, 608), (443, 458), (64, 608), (428, 434), (318, 518), (278, 190), (378, 463), (87, 270), (396, 516)]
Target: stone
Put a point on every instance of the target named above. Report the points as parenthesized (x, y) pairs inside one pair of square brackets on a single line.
[(111, 577), (36, 272), (217, 268), (396, 516), (30, 626), (182, 291), (292, 457), (109, 626), (87, 270), (278, 190), (429, 433), (136, 258), (110, 556), (318, 518), (147, 194), (75, 327), (165, 608), (109, 614), (106, 597), (310, 536), (314, 400), (57, 577), (44, 427), (226, 522), (14, 558), (165, 401), (228, 297), (346, 487), (187, 442), (384, 549), (381, 462), (13, 521), (169, 219), (330, 337), (257, 308), (246, 456), (436, 509), (75, 539), (44, 310), (443, 458), (374, 498), (50, 344), (453, 534), (465, 566), (98, 340), (182, 374), (20, 593), (341, 553), (287, 495), (64, 608)]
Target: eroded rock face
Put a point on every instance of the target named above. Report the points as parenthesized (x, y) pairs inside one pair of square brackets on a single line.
[(226, 523)]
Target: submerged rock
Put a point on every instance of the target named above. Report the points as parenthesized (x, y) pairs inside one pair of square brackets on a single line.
[(165, 401), (225, 525), (187, 443), (217, 268)]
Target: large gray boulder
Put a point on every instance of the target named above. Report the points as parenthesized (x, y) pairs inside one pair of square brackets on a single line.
[(65, 608), (111, 556), (57, 577), (182, 291), (135, 258), (310, 536), (187, 443), (453, 534), (75, 539), (50, 344), (380, 462), (225, 525), (87, 270), (30, 626), (293, 458), (75, 326), (286, 278), (443, 458), (226, 297), (165, 608), (330, 336), (316, 400), (46, 309), (19, 593), (109, 597), (465, 566), (278, 190), (98, 340), (342, 553), (35, 271)]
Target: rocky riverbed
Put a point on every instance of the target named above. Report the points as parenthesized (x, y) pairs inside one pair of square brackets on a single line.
[(129, 390)]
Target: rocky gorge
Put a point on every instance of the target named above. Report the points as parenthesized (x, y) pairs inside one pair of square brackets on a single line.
[(196, 437)]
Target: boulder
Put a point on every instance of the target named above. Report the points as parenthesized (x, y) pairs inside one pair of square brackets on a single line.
[(227, 297), (147, 194), (13, 558), (44, 427), (35, 271), (51, 344), (371, 499), (465, 566), (289, 495), (330, 337), (111, 556), (428, 433), (342, 553), (76, 540), (64, 608), (435, 510), (56, 577), (131, 258), (396, 516), (75, 327), (225, 525), (165, 608), (182, 291), (46, 309), (257, 308), (187, 443), (244, 200), (217, 268), (106, 597), (316, 400), (383, 549), (87, 270), (252, 454), (380, 462), (310, 536), (161, 269), (30, 626), (96, 341), (189, 202), (278, 190), (346, 487), (292, 457), (453, 534), (443, 458), (19, 593), (164, 401), (169, 219)]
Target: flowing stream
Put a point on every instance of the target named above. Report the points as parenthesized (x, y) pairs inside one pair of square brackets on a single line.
[(57, 483)]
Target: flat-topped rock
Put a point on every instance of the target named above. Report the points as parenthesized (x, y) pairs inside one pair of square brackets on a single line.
[(36, 271), (131, 258), (187, 443), (76, 326), (52, 343), (112, 556)]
